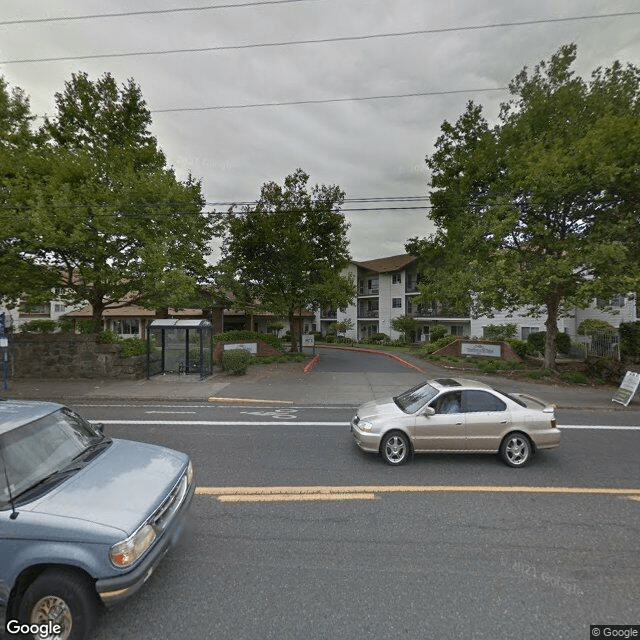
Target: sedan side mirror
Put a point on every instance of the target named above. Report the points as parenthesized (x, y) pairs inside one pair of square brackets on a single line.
[(429, 411)]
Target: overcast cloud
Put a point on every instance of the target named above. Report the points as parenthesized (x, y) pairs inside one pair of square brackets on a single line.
[(371, 148)]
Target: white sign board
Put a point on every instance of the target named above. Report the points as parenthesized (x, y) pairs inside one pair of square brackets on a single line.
[(4, 342), (628, 387), (251, 347), (308, 340), (479, 349)]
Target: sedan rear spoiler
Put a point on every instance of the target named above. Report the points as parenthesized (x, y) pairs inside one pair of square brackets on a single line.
[(542, 404)]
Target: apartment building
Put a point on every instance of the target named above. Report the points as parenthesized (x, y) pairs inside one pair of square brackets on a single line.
[(388, 288)]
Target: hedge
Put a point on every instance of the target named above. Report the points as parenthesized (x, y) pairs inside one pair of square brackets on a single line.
[(537, 341), (629, 338), (236, 361)]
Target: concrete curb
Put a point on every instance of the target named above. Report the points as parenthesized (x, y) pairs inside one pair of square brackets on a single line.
[(311, 364)]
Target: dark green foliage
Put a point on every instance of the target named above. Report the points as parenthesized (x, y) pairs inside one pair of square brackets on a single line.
[(241, 334), (537, 342), (133, 347), (629, 338), (437, 332), (236, 361), (576, 377), (590, 326), (537, 208), (500, 331), (521, 347), (288, 251), (39, 326), (429, 347), (108, 337)]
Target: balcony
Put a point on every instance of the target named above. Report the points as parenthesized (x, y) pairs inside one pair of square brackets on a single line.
[(368, 313), (436, 310), (328, 314)]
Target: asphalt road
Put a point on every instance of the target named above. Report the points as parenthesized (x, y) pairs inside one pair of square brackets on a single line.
[(386, 555)]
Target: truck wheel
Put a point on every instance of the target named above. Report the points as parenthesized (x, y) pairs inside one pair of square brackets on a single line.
[(60, 597)]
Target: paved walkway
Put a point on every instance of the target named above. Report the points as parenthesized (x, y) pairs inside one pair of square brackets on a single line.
[(288, 383)]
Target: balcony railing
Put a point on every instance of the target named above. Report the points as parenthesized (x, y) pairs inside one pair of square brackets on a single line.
[(368, 313), (437, 311)]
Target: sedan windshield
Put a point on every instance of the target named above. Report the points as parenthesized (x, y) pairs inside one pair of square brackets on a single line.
[(416, 397), (41, 449)]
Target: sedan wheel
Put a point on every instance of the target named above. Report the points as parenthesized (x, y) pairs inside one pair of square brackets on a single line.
[(516, 450), (395, 448)]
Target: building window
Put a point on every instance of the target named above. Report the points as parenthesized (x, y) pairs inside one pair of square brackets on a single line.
[(396, 303), (396, 278), (457, 329), (31, 309), (128, 327), (59, 308), (525, 331)]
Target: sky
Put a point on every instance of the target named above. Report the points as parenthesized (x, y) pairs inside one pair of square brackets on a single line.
[(212, 89)]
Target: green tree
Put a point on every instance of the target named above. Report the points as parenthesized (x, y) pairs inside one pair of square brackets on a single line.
[(287, 252), (407, 325), (539, 209), (104, 217), (344, 325)]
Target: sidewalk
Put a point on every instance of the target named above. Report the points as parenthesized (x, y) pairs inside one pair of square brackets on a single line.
[(287, 383)]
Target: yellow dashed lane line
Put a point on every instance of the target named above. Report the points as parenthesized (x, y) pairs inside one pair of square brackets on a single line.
[(281, 494)]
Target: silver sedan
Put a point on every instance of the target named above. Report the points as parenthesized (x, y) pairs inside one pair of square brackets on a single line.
[(450, 415)]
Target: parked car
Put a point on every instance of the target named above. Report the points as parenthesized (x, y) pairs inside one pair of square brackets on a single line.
[(84, 519), (456, 415)]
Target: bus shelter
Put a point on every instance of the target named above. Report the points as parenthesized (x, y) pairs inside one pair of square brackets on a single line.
[(179, 346)]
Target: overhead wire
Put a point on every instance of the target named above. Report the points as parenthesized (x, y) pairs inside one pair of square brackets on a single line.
[(322, 40), (148, 12)]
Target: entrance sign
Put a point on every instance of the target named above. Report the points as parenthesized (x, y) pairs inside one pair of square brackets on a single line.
[(480, 349), (251, 347), (627, 389), (308, 340)]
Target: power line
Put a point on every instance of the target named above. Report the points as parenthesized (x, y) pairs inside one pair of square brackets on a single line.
[(94, 16), (328, 100), (323, 40)]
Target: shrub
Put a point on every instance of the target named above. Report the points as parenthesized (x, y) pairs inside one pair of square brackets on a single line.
[(430, 347), (521, 347), (500, 331), (537, 341), (629, 338), (540, 373), (236, 361), (592, 325), (437, 333), (133, 347), (108, 337), (574, 376), (85, 326), (38, 326), (378, 337)]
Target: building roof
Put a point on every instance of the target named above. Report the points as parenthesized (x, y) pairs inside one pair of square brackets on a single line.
[(131, 310), (385, 265)]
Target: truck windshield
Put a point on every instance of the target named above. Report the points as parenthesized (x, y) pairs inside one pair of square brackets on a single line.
[(40, 449), (416, 397)]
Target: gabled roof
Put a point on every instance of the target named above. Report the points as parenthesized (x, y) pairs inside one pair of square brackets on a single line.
[(385, 265)]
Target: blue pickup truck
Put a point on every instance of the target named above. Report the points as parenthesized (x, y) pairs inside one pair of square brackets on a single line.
[(84, 519)]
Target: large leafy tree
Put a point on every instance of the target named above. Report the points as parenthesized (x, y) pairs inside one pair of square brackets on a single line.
[(287, 252), (104, 217), (541, 209)]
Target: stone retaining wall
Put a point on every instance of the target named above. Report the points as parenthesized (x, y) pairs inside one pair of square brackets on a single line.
[(65, 355)]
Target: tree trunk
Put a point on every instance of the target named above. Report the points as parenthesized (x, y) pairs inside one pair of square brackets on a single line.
[(551, 324), (292, 326)]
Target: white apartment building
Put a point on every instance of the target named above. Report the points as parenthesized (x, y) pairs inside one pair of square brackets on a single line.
[(388, 287)]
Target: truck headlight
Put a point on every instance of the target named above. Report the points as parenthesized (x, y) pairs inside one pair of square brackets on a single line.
[(126, 552)]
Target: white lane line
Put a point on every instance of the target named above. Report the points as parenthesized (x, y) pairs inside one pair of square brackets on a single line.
[(599, 427), (225, 423), (314, 423)]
